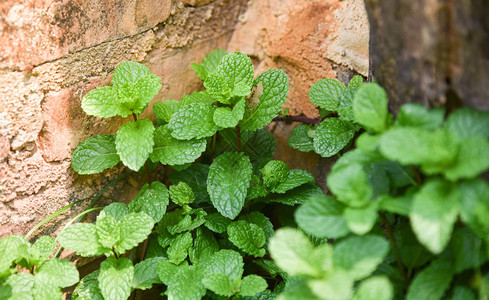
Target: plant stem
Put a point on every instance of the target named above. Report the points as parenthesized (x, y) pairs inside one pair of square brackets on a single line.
[(135, 117), (395, 249), (301, 119), (238, 139)]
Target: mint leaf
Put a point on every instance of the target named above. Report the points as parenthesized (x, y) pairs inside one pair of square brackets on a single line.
[(95, 154), (345, 107), (361, 220), (9, 252), (332, 135), (146, 273), (337, 285), (471, 160), (252, 285), (152, 200), (467, 122), (300, 139), (262, 221), (217, 222), (434, 212), (134, 143), (226, 262), (375, 288), (355, 82), (205, 244), (17, 286), (432, 282), (468, 250), (209, 64), (58, 272), (187, 284), (248, 237), (193, 121), (369, 252), (167, 271), (225, 117), (399, 205), (474, 207), (416, 115), (181, 194), (237, 71), (218, 88), (296, 178), (165, 110), (135, 228), (370, 107), (103, 102), (87, 288), (108, 231), (43, 247), (171, 151), (322, 217), (169, 219), (326, 93), (116, 210), (115, 278), (202, 97), (228, 182), (349, 184), (83, 239), (178, 249), (188, 223), (275, 88), (274, 173), (295, 196), (194, 176), (220, 284), (129, 72)]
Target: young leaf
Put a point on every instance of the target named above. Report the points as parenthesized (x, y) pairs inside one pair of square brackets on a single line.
[(433, 213), (375, 288), (274, 173), (181, 194), (326, 93), (261, 221), (165, 110), (370, 107), (416, 115), (432, 282), (134, 143), (171, 151), (252, 285), (217, 222), (88, 288), (322, 217), (115, 278), (471, 160), (58, 272), (300, 139), (82, 238), (205, 245), (95, 154), (369, 252), (275, 89), (169, 219), (108, 231), (228, 182), (194, 176), (151, 200), (135, 228), (248, 237), (295, 196), (345, 107), (349, 184), (225, 117), (237, 71), (103, 102), (467, 122), (209, 64), (226, 262), (178, 249), (146, 273), (116, 210), (295, 179), (43, 247), (218, 88), (361, 220), (332, 135), (193, 121)]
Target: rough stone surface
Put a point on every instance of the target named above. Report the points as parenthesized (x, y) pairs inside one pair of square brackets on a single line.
[(307, 38)]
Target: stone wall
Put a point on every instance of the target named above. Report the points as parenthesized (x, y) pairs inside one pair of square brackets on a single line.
[(53, 52)]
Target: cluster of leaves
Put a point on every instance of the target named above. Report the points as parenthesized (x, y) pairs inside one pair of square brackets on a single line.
[(415, 181)]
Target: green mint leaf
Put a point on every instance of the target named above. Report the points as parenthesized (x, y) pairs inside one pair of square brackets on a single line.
[(275, 88), (295, 196), (152, 200), (194, 176), (237, 71), (218, 88), (217, 222), (220, 284), (165, 110), (83, 239), (349, 184), (332, 135), (474, 207), (43, 247), (377, 287), (167, 271), (355, 82), (467, 122), (274, 173), (169, 219), (432, 282), (202, 97), (369, 252), (116, 210), (471, 160), (135, 228), (433, 213), (261, 221), (178, 249), (181, 194), (17, 286), (129, 72), (326, 93), (345, 107), (95, 154), (186, 284), (468, 249), (248, 237), (322, 217), (87, 288), (115, 278), (361, 220), (416, 115), (189, 223), (367, 142), (205, 244), (171, 151), (134, 143), (370, 107), (299, 138), (103, 102), (292, 252), (193, 121), (399, 205), (228, 182), (225, 117), (58, 272), (226, 262), (154, 249), (338, 285), (108, 231), (146, 273), (463, 293), (209, 64), (10, 251), (252, 285)]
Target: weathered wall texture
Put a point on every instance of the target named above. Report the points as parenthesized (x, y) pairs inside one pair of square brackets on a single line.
[(53, 52)]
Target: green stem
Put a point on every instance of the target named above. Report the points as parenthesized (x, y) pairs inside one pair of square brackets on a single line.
[(238, 139)]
